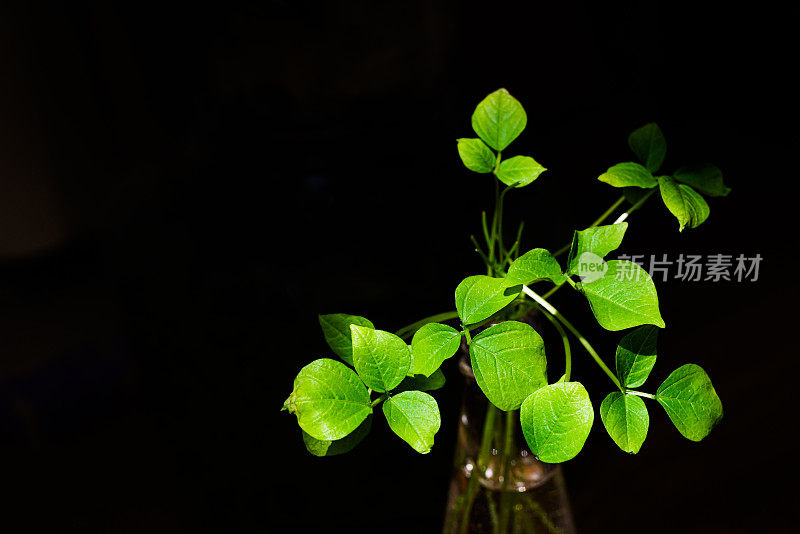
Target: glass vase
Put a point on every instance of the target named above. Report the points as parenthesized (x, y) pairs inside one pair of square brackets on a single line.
[(498, 486)]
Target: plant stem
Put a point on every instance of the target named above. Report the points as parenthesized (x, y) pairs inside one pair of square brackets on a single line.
[(505, 509), (640, 394), (480, 463), (406, 331), (380, 399), (551, 310), (635, 206)]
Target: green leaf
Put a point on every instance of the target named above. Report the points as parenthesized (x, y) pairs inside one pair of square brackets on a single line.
[(685, 203), (690, 401), (556, 421), (519, 171), (509, 363), (649, 145), (534, 265), (328, 399), (706, 179), (499, 119), (476, 155), (414, 416), (599, 240), (628, 175), (625, 297), (626, 420), (433, 344), (479, 297), (325, 447), (636, 356), (381, 359), (336, 328), (422, 382)]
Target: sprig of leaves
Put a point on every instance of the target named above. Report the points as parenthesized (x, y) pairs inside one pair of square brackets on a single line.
[(680, 192), (334, 402)]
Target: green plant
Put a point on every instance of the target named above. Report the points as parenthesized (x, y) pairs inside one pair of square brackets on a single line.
[(334, 401)]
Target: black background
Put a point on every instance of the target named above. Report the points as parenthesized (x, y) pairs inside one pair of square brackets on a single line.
[(182, 190)]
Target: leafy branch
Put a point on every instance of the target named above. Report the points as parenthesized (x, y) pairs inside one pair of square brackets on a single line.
[(334, 401)]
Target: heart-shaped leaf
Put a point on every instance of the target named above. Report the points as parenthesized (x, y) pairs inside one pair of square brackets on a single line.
[(686, 204), (499, 119), (598, 240), (626, 420), (625, 297), (706, 179), (479, 297), (336, 328), (432, 344), (690, 401), (509, 363), (414, 416), (534, 265), (628, 174), (381, 358), (325, 447), (636, 356), (519, 171), (476, 155), (556, 421), (649, 145), (328, 399)]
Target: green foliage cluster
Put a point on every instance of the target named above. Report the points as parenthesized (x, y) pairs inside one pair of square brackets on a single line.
[(334, 400)]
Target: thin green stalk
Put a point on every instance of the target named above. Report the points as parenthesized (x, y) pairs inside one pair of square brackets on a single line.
[(483, 459), (478, 249), (406, 331), (640, 394), (636, 206), (519, 235), (489, 242), (550, 309), (505, 509)]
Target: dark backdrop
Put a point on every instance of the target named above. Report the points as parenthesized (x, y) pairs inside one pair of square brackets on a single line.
[(182, 190)]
